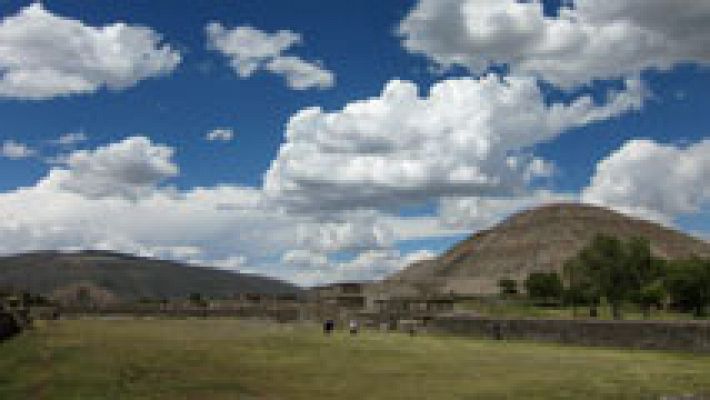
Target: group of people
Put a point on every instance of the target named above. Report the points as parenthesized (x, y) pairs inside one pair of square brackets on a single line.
[(329, 326)]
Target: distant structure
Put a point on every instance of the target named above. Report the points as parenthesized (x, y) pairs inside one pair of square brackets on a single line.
[(374, 303), (337, 301), (538, 240)]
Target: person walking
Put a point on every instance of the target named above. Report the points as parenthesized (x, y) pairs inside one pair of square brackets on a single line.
[(354, 326), (328, 326)]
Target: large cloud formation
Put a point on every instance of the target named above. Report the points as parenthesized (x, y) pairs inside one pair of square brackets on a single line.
[(653, 180), (114, 198), (313, 267), (250, 50), (43, 55), (586, 40), (129, 168), (467, 137), (111, 198)]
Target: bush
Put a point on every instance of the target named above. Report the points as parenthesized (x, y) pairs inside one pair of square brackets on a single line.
[(196, 299), (544, 286), (651, 295), (688, 283), (508, 286)]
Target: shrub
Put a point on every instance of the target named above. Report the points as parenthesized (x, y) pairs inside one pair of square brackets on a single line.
[(544, 286), (688, 283), (508, 286)]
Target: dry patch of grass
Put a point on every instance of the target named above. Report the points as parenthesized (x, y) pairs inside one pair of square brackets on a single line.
[(229, 359)]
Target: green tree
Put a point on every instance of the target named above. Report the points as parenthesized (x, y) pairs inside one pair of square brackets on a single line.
[(688, 283), (613, 269), (604, 261), (580, 290), (651, 295), (641, 262), (197, 299), (508, 286), (544, 286), (646, 287)]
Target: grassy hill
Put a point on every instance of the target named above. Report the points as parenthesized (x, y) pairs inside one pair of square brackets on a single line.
[(541, 239), (127, 277)]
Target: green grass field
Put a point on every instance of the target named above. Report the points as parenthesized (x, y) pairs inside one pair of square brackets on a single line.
[(229, 359)]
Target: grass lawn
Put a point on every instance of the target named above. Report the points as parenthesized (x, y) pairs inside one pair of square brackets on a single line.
[(229, 359)]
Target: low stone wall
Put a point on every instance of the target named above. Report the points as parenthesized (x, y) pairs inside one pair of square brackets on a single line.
[(693, 336), (8, 326), (281, 315)]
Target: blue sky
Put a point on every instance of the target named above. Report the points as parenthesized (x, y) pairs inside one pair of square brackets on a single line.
[(364, 184), (204, 93)]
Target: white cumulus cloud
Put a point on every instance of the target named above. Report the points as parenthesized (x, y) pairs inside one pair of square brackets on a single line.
[(587, 40), (305, 260), (250, 50), (467, 137), (130, 168), (315, 268), (354, 232), (653, 180), (43, 55), (15, 150), (300, 74)]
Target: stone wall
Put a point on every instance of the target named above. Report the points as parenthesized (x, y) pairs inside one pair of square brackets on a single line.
[(281, 315), (691, 336)]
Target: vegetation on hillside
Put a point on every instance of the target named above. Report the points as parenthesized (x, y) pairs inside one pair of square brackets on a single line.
[(618, 272)]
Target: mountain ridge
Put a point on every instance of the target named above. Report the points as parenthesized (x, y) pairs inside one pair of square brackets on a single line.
[(128, 277)]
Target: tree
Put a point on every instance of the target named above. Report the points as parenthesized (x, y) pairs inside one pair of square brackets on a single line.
[(544, 286), (613, 269), (580, 290), (641, 262), (651, 295), (604, 261), (508, 286), (646, 288), (688, 283), (197, 300)]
